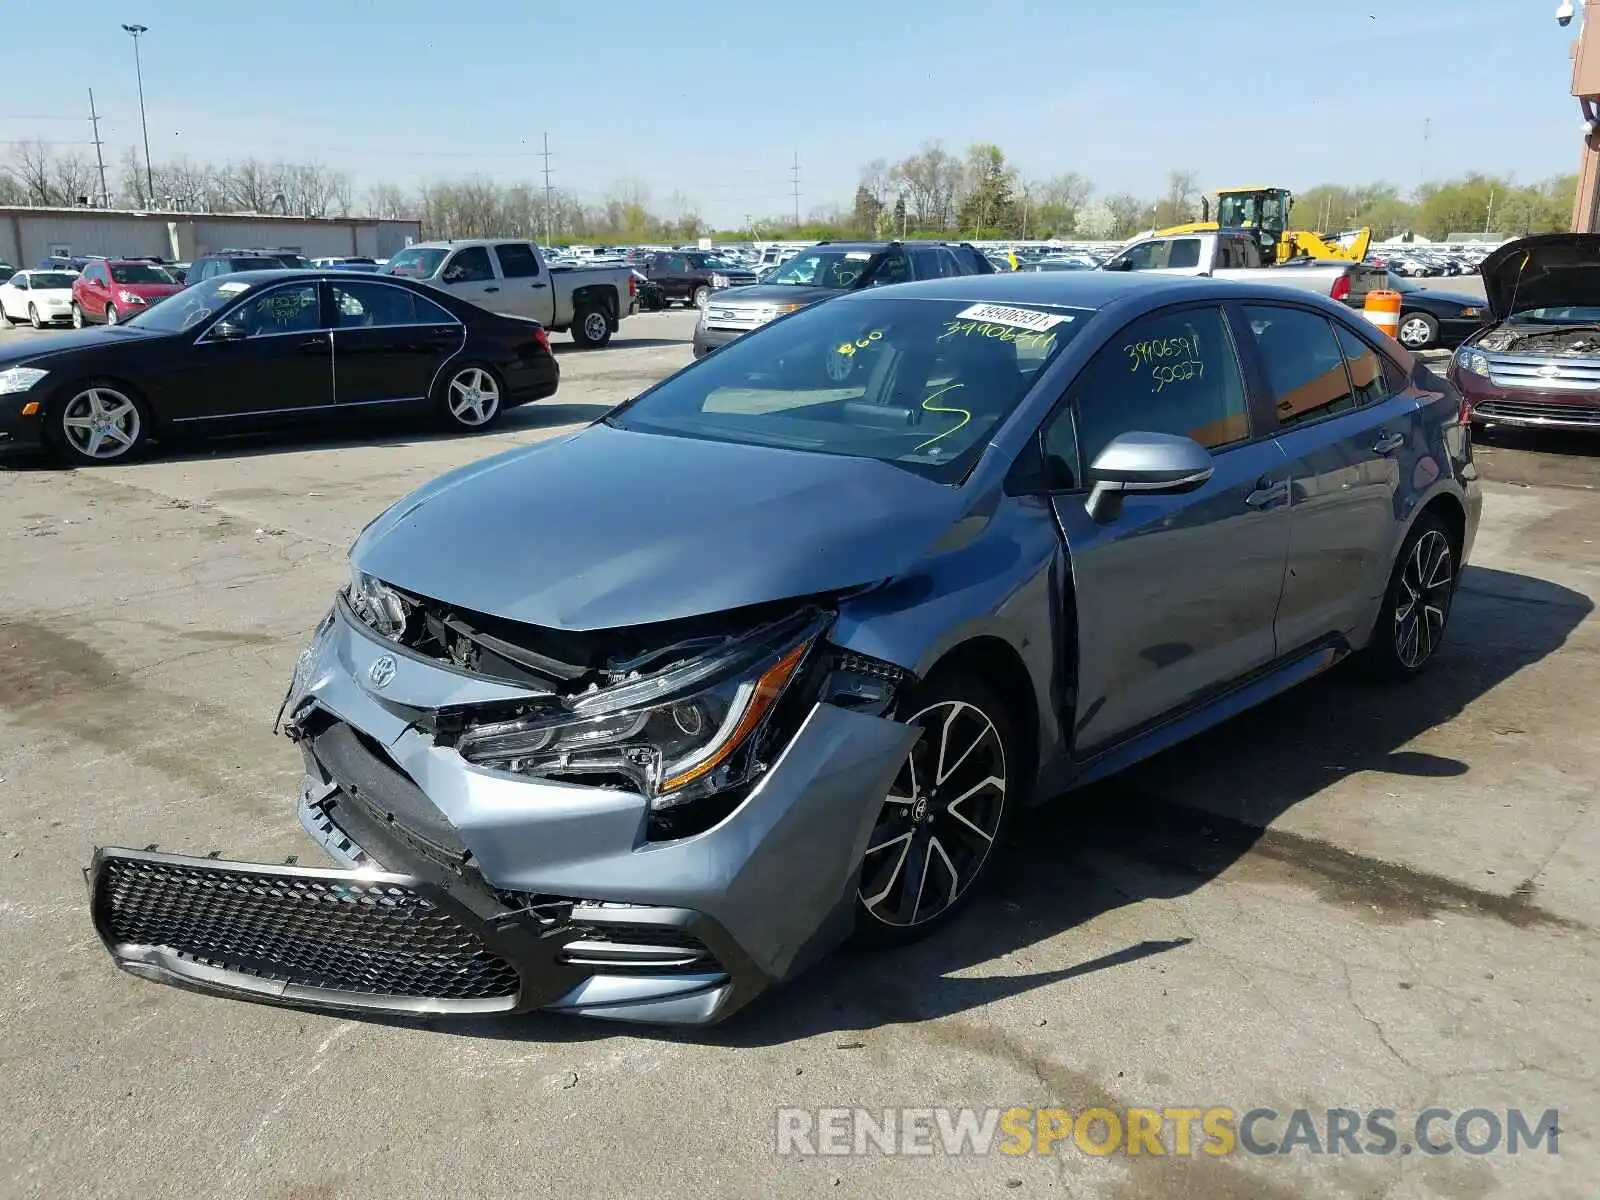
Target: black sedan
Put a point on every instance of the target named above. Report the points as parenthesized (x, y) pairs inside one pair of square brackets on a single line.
[(259, 349), (1431, 318)]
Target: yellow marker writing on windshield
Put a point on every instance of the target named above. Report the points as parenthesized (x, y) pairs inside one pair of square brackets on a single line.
[(928, 405)]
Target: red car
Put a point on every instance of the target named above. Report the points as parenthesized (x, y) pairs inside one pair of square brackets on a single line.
[(112, 290), (1537, 366)]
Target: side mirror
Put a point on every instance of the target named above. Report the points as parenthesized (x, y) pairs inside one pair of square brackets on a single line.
[(227, 331), (1160, 463)]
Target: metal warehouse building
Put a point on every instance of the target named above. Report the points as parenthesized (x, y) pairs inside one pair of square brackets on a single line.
[(28, 235)]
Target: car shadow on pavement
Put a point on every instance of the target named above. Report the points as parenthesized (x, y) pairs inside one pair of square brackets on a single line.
[(332, 434), (1164, 829), (620, 343)]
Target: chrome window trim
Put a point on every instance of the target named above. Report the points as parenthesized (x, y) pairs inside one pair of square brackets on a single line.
[(273, 412)]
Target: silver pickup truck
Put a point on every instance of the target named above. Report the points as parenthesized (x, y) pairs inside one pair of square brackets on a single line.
[(1235, 254), (506, 275)]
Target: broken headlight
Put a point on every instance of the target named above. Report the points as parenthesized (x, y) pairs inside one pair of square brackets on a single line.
[(687, 732), (378, 605)]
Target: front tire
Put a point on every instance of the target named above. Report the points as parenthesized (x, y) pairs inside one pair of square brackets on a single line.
[(1418, 331), (1416, 606), (591, 327), (99, 422), (111, 314), (77, 316), (33, 317), (473, 398), (945, 814)]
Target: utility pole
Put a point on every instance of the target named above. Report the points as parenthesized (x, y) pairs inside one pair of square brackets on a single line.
[(136, 32), (1488, 218), (94, 123), (548, 218), (794, 179)]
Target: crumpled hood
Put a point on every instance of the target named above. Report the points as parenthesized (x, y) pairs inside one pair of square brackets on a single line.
[(1549, 270), (609, 528)]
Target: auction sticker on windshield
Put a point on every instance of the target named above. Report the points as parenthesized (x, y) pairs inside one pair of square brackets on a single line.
[(1018, 318)]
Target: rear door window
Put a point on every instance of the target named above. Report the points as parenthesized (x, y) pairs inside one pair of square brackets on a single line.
[(517, 260), (1304, 362), (1367, 382)]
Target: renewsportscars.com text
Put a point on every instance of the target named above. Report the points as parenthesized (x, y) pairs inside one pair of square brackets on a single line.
[(1176, 1131)]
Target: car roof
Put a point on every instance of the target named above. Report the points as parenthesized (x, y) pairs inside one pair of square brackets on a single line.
[(1091, 289)]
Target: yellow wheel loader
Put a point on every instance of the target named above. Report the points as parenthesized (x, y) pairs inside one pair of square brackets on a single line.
[(1266, 211)]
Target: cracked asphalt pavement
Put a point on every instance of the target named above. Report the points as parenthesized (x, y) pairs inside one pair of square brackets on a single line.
[(1354, 896)]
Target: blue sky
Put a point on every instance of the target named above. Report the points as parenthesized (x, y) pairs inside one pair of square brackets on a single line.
[(410, 90)]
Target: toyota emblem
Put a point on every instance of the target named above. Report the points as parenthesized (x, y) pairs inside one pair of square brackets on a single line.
[(382, 671)]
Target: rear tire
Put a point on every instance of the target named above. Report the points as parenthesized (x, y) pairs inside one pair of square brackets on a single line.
[(1418, 331), (472, 398), (946, 814), (1416, 606), (701, 297), (591, 327)]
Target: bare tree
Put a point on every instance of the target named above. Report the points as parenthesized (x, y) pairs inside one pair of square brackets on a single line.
[(33, 167), (930, 179), (250, 186), (1181, 201)]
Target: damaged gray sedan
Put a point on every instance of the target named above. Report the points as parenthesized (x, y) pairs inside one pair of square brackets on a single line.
[(639, 722)]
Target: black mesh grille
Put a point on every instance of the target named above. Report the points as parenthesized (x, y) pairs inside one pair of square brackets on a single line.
[(375, 938)]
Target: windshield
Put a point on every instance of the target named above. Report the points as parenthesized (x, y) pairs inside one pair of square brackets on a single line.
[(717, 263), (823, 267), (297, 261), (188, 308), (140, 273), (50, 279), (416, 263), (1571, 314), (921, 383)]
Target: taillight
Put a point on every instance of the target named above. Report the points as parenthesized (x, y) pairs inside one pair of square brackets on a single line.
[(543, 338), (1340, 288), (633, 285)]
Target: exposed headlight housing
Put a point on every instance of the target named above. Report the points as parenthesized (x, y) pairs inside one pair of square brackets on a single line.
[(689, 732), (1474, 362), (719, 281), (19, 379), (379, 606)]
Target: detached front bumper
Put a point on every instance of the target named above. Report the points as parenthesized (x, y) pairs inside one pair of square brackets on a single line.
[(467, 891)]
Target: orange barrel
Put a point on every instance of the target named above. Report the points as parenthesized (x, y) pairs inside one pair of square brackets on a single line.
[(1382, 308)]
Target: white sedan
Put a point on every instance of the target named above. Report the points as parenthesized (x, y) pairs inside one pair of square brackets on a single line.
[(38, 297)]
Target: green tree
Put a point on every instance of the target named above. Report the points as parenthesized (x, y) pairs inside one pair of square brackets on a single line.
[(990, 206)]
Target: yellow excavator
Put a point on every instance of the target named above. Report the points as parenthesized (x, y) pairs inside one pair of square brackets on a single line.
[(1266, 210)]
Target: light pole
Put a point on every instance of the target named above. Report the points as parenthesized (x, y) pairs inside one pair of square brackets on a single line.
[(135, 31)]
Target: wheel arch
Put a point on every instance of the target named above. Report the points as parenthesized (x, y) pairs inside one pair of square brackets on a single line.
[(993, 660), (603, 294)]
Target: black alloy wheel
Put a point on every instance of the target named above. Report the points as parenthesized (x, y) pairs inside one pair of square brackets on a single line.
[(946, 812)]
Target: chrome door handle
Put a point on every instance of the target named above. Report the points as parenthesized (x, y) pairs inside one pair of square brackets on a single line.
[(1267, 492), (1388, 443), (536, 285)]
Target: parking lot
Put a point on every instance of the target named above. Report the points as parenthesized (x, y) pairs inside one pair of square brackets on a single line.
[(1354, 897)]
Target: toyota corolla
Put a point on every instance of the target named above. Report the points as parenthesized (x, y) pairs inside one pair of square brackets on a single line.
[(771, 655)]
